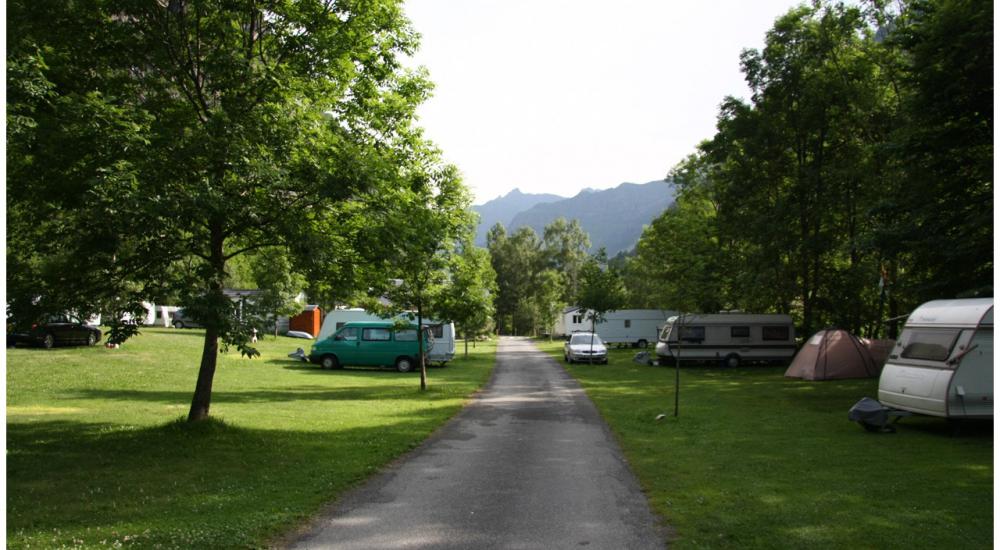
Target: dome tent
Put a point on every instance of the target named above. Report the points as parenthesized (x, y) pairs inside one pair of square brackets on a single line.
[(832, 354)]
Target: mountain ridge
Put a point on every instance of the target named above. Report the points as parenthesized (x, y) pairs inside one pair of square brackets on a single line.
[(614, 218)]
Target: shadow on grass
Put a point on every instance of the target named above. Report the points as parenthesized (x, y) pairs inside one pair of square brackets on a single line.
[(205, 485)]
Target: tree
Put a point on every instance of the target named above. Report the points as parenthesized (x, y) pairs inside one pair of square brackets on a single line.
[(566, 244), (467, 298), (601, 289), (232, 128), (280, 285), (547, 300), (428, 217)]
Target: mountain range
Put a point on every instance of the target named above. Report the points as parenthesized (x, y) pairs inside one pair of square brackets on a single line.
[(613, 218)]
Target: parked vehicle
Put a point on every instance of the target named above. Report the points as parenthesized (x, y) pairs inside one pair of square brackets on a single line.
[(442, 351), (728, 338), (57, 330), (181, 319), (585, 347), (634, 327), (942, 364), (370, 344)]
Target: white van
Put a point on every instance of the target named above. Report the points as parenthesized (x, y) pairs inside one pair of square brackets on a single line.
[(729, 338), (942, 364), (635, 327), (441, 352)]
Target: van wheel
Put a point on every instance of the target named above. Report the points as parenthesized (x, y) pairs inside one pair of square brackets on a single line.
[(732, 361), (404, 364), (178, 325), (642, 344), (328, 362)]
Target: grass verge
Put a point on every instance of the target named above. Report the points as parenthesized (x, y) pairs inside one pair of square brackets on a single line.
[(758, 460), (98, 453)]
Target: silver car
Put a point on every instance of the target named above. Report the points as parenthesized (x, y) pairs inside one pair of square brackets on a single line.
[(586, 347)]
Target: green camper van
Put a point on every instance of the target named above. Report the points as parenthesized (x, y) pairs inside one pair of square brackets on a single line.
[(369, 344)]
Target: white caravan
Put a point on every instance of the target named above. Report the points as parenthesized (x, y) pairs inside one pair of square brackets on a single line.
[(635, 327), (442, 351), (942, 364), (729, 338)]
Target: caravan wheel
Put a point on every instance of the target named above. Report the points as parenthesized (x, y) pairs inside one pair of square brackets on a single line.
[(732, 361)]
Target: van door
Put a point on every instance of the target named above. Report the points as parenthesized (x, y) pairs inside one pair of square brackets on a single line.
[(345, 344), (376, 346)]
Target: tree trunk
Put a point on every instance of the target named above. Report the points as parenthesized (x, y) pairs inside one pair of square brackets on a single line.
[(420, 347), (202, 400)]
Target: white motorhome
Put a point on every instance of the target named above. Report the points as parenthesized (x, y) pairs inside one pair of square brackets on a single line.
[(942, 364), (442, 351), (729, 338), (634, 327)]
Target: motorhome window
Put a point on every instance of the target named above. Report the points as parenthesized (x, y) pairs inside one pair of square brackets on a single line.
[(376, 334), (930, 345), (628, 323), (407, 335), (774, 333), (693, 334), (739, 332), (349, 333), (437, 331)]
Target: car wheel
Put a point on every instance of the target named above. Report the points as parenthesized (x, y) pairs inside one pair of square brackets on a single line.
[(732, 361), (91, 339), (48, 342), (404, 364), (178, 324), (328, 362)]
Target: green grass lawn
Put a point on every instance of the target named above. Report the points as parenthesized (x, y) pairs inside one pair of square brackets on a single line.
[(758, 460), (97, 454)]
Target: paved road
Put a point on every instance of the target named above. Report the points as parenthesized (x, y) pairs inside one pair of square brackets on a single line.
[(528, 464)]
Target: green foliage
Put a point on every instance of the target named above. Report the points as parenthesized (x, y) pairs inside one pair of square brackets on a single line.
[(467, 298), (601, 288), (858, 177), (192, 133)]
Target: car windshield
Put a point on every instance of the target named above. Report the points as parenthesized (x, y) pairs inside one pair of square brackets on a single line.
[(580, 339)]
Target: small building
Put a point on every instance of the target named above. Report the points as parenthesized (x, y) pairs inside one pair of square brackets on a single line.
[(308, 321)]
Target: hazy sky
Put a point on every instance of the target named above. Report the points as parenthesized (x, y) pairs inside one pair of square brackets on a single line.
[(553, 96)]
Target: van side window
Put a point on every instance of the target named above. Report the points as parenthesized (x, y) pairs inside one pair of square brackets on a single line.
[(693, 334), (350, 334), (340, 325), (437, 331), (376, 334), (775, 333), (739, 332), (930, 345), (406, 335)]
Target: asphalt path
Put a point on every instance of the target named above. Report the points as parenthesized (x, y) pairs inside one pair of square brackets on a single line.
[(528, 464)]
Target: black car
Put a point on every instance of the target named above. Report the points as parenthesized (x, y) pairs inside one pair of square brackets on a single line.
[(57, 330)]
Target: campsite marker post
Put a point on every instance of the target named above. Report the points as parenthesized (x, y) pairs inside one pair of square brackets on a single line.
[(677, 367)]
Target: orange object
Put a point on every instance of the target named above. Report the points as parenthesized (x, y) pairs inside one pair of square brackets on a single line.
[(307, 321)]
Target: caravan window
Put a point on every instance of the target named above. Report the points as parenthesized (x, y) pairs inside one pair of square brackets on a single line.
[(628, 323), (406, 335), (693, 334), (775, 333), (930, 344), (739, 332)]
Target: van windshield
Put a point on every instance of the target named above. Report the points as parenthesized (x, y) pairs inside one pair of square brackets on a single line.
[(930, 344)]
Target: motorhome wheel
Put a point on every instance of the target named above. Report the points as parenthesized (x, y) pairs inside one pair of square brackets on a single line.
[(642, 344)]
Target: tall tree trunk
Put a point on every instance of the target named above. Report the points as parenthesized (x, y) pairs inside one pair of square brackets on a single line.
[(420, 346), (202, 400)]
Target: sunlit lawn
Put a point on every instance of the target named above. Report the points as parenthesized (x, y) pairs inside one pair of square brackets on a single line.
[(758, 460), (96, 455)]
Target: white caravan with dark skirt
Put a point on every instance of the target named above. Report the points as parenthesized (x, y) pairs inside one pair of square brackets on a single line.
[(727, 338), (942, 364)]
